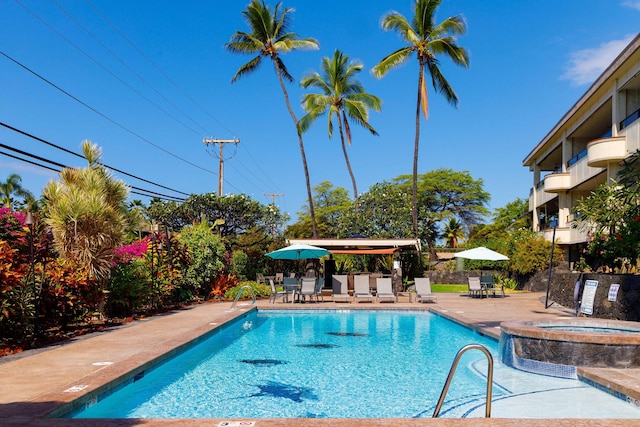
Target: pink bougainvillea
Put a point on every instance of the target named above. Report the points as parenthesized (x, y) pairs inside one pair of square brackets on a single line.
[(124, 254)]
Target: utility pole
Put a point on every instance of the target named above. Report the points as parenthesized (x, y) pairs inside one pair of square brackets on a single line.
[(208, 141), (273, 197), (273, 202)]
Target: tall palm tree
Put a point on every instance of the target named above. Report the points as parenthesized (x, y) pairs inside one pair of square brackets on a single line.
[(270, 37), (343, 97), (11, 187), (428, 40)]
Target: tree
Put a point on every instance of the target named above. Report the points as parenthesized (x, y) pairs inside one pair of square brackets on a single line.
[(11, 187), (342, 98), (86, 211), (443, 193), (429, 41), (270, 37), (453, 232), (330, 204)]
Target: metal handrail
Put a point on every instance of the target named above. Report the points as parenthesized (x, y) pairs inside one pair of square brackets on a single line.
[(436, 412), (240, 291)]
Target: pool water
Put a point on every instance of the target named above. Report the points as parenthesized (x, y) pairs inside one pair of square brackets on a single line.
[(346, 364)]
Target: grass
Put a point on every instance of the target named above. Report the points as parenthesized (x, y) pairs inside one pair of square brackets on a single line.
[(449, 288)]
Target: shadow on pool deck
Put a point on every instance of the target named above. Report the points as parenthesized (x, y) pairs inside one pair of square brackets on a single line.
[(42, 382)]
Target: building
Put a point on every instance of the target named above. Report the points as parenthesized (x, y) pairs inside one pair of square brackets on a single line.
[(585, 149)]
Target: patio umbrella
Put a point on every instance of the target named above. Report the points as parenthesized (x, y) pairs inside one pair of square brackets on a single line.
[(481, 253), (298, 252)]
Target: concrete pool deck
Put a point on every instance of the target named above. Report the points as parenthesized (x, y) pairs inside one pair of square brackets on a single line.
[(36, 383)]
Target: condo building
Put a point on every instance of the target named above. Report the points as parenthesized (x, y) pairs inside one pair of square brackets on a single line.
[(584, 150)]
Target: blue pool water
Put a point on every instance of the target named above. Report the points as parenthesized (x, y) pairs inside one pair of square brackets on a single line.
[(328, 364)]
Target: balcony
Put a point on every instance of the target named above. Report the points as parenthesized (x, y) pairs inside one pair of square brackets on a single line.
[(605, 150), (557, 182)]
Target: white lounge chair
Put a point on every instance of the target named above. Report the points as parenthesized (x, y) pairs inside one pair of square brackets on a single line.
[(385, 290), (475, 287), (361, 290), (423, 290), (340, 288)]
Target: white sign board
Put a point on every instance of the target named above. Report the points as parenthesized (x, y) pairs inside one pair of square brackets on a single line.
[(613, 292), (588, 296)]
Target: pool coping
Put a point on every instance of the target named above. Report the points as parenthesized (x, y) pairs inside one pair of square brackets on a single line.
[(52, 401)]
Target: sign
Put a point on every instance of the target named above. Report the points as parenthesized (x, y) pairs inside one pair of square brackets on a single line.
[(613, 291), (588, 296)]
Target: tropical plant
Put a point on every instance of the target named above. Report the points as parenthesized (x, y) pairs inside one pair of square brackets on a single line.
[(206, 254), (429, 41), (86, 211), (11, 187), (342, 98), (452, 232), (260, 290), (270, 37)]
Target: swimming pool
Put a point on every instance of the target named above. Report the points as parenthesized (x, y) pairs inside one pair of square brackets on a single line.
[(343, 364)]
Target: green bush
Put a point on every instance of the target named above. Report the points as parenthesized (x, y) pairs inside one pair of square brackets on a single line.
[(239, 264), (129, 289), (260, 289), (532, 255)]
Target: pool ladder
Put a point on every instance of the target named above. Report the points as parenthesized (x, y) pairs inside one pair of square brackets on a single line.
[(463, 350), (239, 295)]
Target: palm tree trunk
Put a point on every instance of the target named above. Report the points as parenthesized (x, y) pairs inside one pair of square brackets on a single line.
[(414, 187), (304, 157), (346, 158)]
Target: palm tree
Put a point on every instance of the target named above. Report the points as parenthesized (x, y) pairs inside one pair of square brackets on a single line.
[(13, 187), (270, 37), (428, 40), (453, 232), (343, 97), (86, 211)]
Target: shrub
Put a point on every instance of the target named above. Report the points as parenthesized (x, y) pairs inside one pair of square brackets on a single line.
[(239, 264), (532, 255), (260, 289)]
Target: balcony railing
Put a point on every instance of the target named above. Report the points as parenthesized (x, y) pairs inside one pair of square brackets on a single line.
[(630, 119), (572, 161)]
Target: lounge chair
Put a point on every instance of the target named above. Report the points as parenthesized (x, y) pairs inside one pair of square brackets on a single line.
[(385, 290), (423, 290), (361, 290), (340, 288), (308, 288), (260, 278), (275, 294), (475, 287)]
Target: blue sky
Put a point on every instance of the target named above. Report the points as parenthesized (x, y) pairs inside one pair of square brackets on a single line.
[(530, 62)]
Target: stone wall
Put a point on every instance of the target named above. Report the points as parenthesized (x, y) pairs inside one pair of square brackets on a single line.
[(626, 306)]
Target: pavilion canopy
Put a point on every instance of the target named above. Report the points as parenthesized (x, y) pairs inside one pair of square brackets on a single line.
[(362, 246)]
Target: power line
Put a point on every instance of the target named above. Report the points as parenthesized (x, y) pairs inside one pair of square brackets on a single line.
[(124, 63), (121, 34), (103, 115), (60, 165), (82, 157)]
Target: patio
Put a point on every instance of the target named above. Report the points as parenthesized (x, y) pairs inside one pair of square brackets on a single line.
[(37, 382)]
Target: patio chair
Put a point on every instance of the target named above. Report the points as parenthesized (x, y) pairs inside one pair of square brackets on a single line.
[(340, 288), (260, 278), (423, 290), (290, 285), (279, 277), (361, 290), (475, 287), (318, 293), (308, 288), (275, 294), (385, 290)]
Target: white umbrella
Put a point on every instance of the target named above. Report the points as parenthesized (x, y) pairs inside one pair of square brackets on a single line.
[(482, 253), (298, 251)]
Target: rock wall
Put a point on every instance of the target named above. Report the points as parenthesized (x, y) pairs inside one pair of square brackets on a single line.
[(625, 307)]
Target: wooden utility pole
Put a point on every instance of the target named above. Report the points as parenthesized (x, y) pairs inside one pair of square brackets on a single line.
[(273, 197), (273, 202), (208, 141)]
